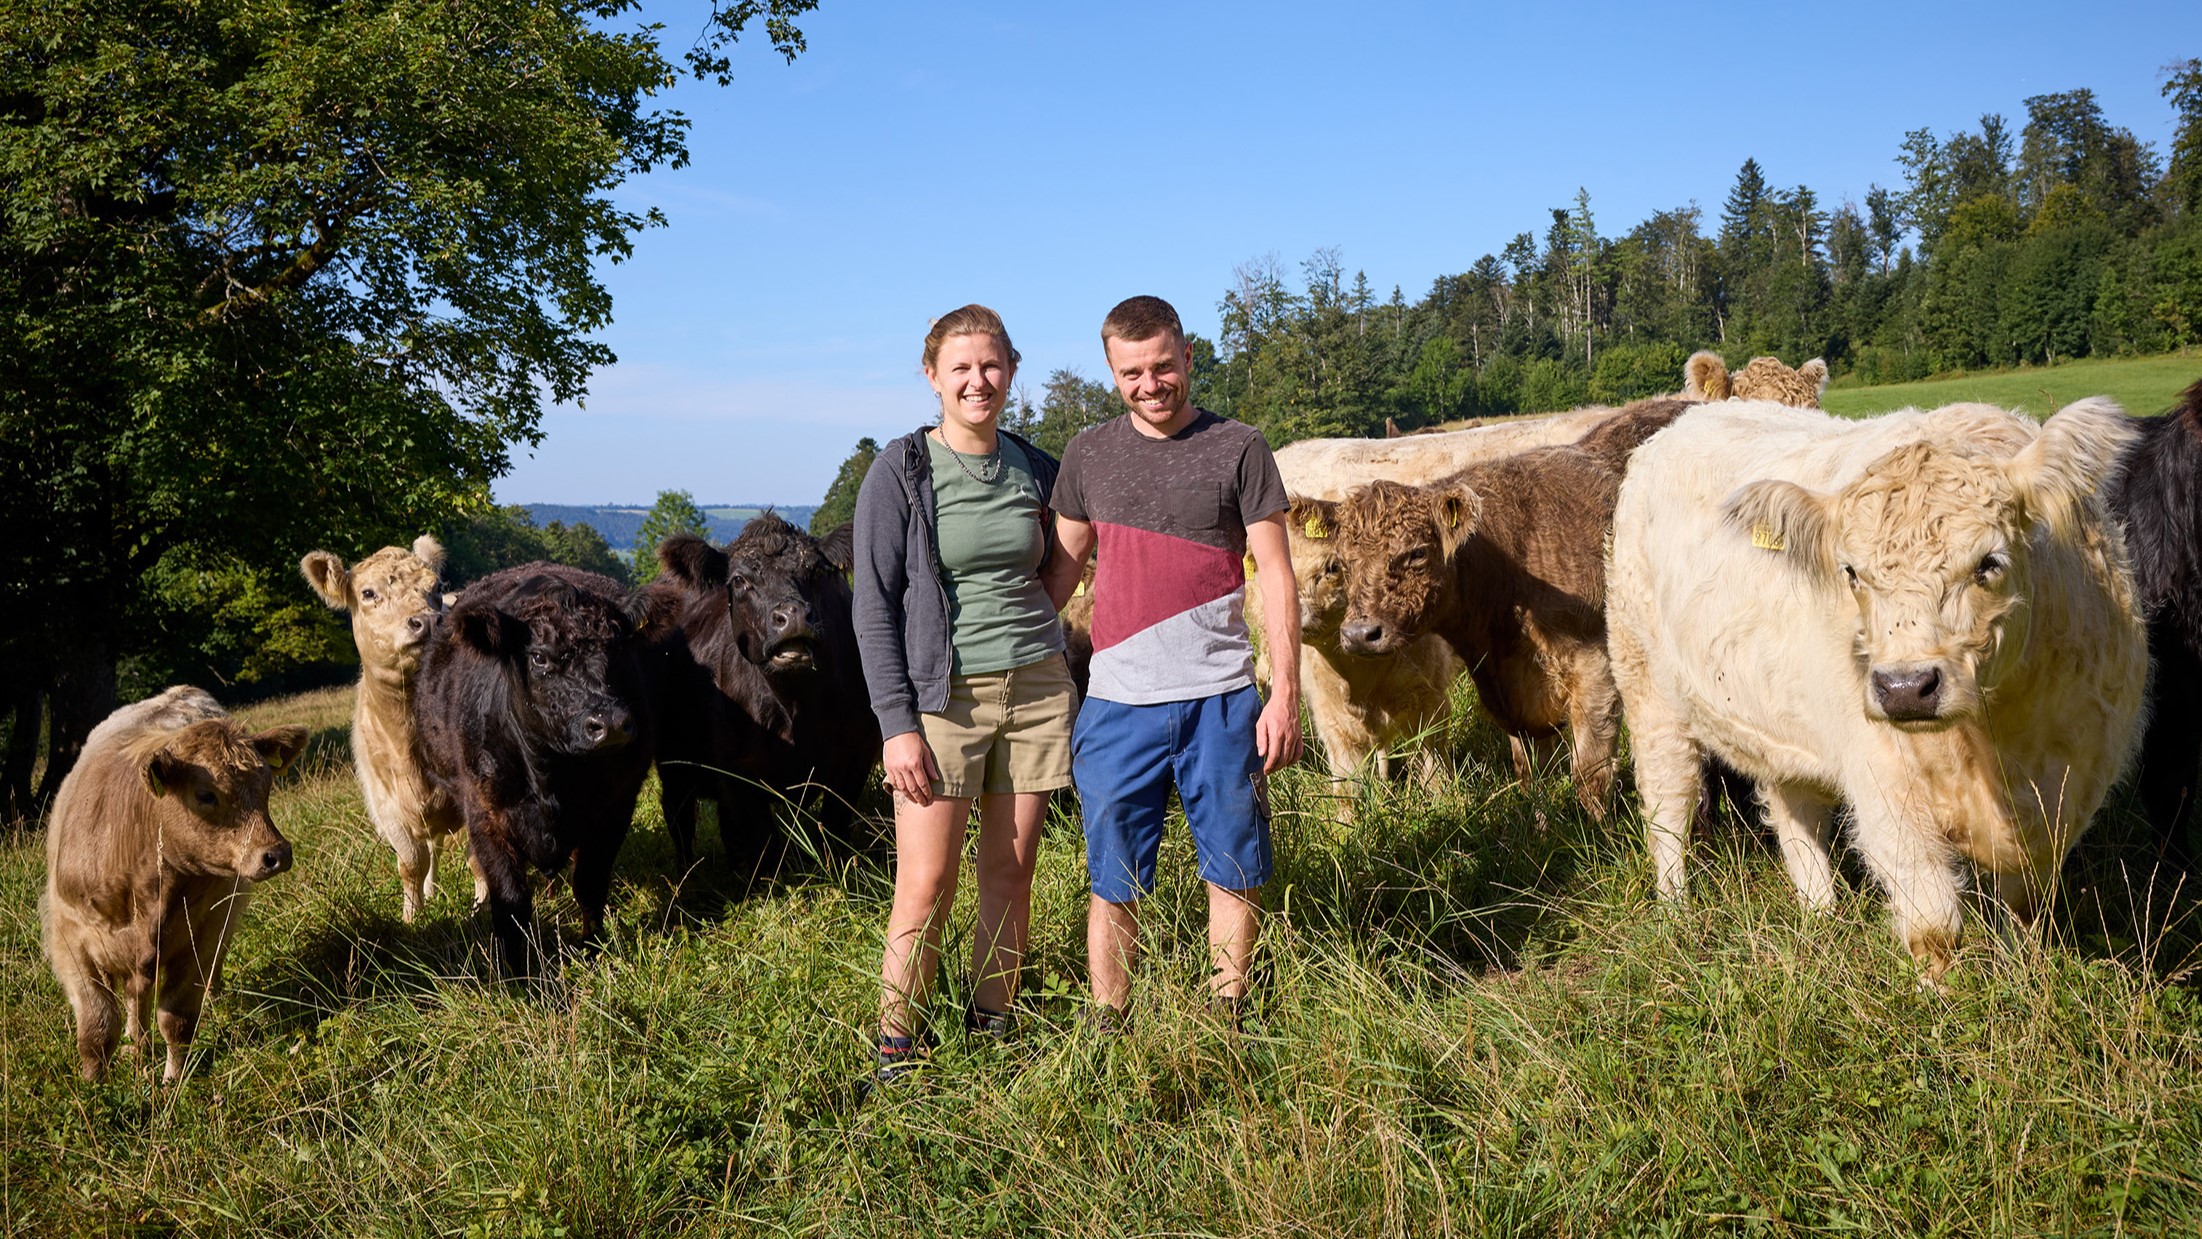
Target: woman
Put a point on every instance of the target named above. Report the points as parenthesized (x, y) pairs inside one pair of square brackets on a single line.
[(963, 656)]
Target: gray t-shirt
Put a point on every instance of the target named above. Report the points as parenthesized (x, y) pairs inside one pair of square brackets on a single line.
[(1169, 589)]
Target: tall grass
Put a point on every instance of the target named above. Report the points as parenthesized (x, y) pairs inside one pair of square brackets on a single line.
[(1470, 1023)]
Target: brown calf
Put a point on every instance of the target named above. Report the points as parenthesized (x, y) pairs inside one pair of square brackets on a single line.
[(156, 840), (1362, 707), (394, 600), (1505, 560)]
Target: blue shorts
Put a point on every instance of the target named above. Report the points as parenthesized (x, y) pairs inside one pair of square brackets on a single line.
[(1124, 758)]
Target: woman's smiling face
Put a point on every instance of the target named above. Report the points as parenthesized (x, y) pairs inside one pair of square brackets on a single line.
[(971, 374)]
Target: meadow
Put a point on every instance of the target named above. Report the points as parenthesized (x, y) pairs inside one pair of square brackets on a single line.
[(2141, 385), (1474, 1019)]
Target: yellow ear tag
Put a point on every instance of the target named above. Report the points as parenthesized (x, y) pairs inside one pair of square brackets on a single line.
[(1316, 528), (1452, 518), (1766, 538), (1078, 590)]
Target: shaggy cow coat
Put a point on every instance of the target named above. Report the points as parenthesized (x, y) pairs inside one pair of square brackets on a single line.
[(394, 600), (1505, 561), (1926, 615), (1363, 707), (763, 698), (535, 721), (158, 835), (1705, 377), (2158, 497)]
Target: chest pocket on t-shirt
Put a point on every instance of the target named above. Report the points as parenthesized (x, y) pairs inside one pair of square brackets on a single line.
[(1205, 510)]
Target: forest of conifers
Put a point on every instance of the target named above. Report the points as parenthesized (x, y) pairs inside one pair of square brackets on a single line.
[(2031, 241)]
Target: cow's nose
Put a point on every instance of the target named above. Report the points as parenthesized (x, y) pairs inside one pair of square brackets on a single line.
[(791, 617), (608, 729), (1363, 636), (1910, 693), (275, 859), (417, 624)]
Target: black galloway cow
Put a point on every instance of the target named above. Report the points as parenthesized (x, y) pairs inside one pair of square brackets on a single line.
[(2158, 495), (533, 718), (763, 698)]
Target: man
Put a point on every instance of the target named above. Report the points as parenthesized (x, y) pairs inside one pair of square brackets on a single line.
[(1176, 498)]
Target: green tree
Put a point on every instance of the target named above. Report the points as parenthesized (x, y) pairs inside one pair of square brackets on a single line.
[(674, 512), (839, 505), (286, 273), (483, 542), (2182, 184)]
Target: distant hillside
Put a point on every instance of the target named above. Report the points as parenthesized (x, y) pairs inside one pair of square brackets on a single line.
[(620, 524)]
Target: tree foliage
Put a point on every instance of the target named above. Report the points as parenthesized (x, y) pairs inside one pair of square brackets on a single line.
[(839, 505), (281, 273), (675, 512)]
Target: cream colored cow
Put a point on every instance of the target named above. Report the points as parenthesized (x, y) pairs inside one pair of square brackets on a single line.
[(394, 599), (1926, 615)]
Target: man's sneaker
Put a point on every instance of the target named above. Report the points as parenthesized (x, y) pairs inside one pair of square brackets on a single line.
[(995, 1026), (1102, 1021)]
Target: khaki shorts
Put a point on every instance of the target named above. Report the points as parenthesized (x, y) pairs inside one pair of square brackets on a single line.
[(1004, 731)]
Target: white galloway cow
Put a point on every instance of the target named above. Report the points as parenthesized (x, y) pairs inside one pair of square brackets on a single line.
[(1328, 468), (1927, 615)]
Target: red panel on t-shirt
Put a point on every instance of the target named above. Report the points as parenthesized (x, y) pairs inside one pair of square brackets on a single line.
[(1143, 578)]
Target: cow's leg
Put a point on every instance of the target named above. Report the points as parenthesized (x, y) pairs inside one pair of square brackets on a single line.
[(416, 870), (137, 1001), (1918, 870), (1594, 725), (1800, 820), (511, 900), (1668, 770), (98, 1015), (677, 795), (592, 878), (2172, 750)]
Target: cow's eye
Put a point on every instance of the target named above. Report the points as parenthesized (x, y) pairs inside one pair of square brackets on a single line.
[(1416, 557), (1850, 575), (737, 581), (1991, 568), (367, 595), (1332, 568), (539, 660), (207, 798)]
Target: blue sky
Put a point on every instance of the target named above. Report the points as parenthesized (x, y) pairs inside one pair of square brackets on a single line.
[(1051, 159)]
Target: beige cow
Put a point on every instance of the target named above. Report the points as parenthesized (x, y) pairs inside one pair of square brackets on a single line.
[(1705, 377), (1927, 615), (157, 837), (394, 600)]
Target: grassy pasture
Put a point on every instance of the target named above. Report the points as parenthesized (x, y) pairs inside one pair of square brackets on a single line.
[(2139, 384), (1474, 1024)]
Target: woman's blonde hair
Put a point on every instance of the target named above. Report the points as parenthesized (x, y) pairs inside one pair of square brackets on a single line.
[(971, 320)]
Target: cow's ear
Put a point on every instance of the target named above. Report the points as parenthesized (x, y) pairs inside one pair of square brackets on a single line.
[(2075, 453), (693, 561), (1785, 518), (490, 630), (651, 611), (329, 578), (165, 772), (280, 746), (429, 551), (839, 547), (1458, 511), (1815, 373), (1705, 377), (1314, 519)]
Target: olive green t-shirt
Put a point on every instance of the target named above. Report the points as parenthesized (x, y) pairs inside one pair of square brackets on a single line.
[(991, 544)]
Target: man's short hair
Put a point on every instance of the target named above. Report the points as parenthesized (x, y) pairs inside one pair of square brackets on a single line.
[(1141, 318)]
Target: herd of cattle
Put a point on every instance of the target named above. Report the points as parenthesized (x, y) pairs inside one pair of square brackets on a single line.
[(1943, 619)]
